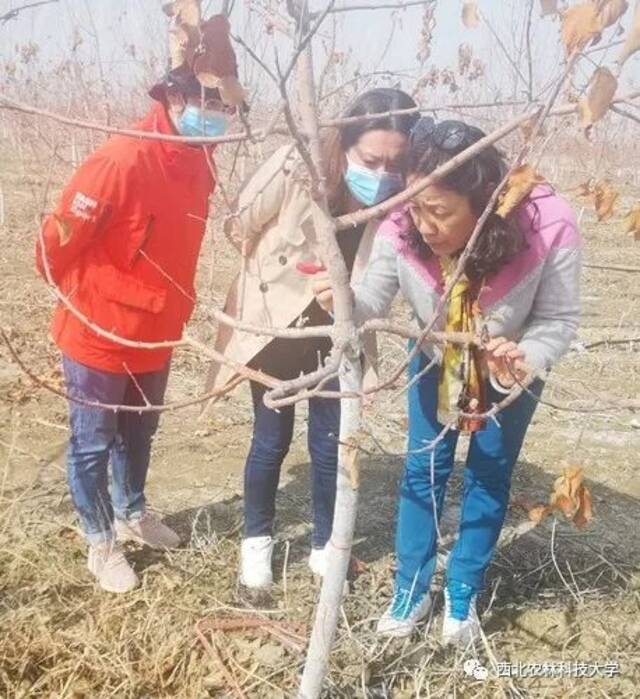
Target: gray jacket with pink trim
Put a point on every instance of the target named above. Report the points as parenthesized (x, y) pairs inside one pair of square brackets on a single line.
[(534, 299)]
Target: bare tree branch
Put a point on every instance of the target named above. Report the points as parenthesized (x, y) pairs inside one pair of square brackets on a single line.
[(385, 6), (12, 14)]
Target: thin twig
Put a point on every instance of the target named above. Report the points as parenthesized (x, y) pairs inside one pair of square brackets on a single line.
[(12, 14)]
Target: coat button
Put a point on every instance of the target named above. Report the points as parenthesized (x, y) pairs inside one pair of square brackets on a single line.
[(282, 260), (264, 287)]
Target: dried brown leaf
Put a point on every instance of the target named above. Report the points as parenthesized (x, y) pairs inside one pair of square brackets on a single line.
[(208, 79), (605, 200), (215, 64), (571, 497), (611, 11), (184, 12), (581, 25), (528, 127), (599, 97), (178, 46), (351, 456), (632, 42), (357, 566), (519, 185), (585, 190), (631, 222), (538, 512), (549, 7), (470, 15), (585, 510)]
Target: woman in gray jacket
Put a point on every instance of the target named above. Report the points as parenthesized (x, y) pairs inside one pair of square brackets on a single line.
[(521, 283)]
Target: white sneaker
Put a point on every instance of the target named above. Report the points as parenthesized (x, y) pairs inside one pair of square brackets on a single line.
[(460, 625), (147, 529), (255, 561), (318, 561), (403, 614), (108, 564)]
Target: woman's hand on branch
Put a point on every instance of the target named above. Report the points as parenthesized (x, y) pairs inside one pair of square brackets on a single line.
[(323, 291), (505, 361)]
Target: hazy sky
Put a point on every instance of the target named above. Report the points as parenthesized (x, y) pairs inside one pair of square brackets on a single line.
[(124, 33)]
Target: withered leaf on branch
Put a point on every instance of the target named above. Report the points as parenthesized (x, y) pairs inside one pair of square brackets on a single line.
[(601, 92), (184, 12), (632, 222), (605, 200), (610, 11), (581, 25), (549, 7), (586, 190), (181, 46), (184, 36), (470, 15), (528, 126), (351, 456), (632, 42), (215, 64), (519, 185), (601, 195)]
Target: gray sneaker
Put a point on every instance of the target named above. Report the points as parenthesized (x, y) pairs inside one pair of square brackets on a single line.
[(149, 530), (108, 564)]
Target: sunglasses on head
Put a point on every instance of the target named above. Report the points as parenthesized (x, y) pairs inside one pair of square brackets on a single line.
[(449, 135)]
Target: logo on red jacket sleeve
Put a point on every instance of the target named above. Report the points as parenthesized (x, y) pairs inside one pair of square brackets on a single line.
[(83, 206)]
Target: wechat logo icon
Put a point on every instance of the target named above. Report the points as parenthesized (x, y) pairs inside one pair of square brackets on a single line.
[(472, 668)]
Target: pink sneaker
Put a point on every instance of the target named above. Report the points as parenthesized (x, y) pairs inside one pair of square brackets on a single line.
[(108, 564), (149, 530)]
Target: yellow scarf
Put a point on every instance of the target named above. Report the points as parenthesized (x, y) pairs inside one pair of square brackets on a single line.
[(462, 378)]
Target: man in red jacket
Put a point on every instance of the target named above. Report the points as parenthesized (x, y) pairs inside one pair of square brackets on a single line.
[(122, 247)]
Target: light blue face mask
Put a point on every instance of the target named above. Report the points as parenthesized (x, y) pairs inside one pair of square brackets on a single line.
[(194, 122), (370, 187)]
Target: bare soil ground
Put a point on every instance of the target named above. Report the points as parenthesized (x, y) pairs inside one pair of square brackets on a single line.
[(555, 595)]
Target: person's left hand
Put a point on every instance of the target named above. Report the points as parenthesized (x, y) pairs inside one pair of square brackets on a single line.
[(505, 360)]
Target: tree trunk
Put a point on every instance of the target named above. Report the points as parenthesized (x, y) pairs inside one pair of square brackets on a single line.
[(339, 546)]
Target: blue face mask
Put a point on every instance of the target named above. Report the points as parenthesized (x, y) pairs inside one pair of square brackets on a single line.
[(194, 122), (370, 187)]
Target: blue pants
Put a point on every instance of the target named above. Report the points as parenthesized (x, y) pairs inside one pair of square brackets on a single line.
[(272, 434), (487, 481), (97, 434)]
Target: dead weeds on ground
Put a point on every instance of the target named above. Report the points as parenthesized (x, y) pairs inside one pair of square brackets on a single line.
[(61, 637)]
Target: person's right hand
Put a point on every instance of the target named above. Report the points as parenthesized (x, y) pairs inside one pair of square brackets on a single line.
[(323, 291)]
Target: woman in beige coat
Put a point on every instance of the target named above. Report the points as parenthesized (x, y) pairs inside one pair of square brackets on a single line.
[(365, 164)]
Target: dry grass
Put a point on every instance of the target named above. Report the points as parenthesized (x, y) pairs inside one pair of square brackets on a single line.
[(61, 638)]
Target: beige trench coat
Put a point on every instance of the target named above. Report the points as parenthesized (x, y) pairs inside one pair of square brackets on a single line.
[(275, 220)]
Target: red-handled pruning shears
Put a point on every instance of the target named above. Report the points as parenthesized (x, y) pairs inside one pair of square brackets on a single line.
[(310, 268)]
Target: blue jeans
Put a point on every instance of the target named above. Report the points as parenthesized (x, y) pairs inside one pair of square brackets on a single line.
[(487, 481), (98, 433), (272, 434)]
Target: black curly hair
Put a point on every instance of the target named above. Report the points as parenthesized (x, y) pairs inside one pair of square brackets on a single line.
[(431, 146)]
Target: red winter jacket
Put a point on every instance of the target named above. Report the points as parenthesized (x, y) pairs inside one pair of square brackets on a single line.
[(123, 244)]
